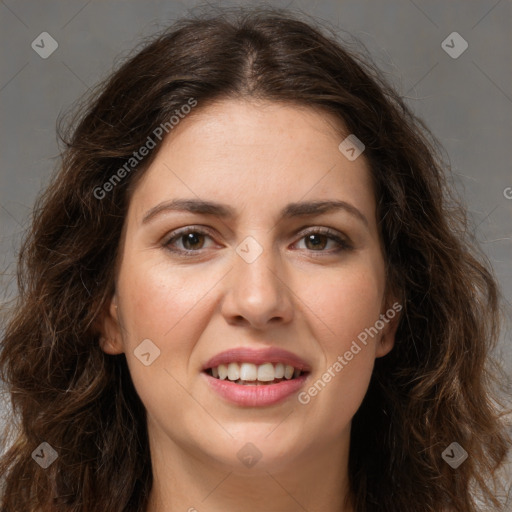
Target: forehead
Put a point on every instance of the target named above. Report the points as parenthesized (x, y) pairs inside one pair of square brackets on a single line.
[(255, 152)]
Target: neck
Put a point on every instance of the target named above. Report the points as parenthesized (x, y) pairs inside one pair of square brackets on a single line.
[(187, 479)]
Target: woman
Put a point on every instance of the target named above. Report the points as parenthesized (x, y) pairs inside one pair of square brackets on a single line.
[(248, 288)]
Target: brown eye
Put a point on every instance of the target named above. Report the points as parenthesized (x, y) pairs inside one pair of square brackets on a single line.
[(188, 240), (316, 241), (192, 240)]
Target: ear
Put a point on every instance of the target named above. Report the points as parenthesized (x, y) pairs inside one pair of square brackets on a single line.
[(110, 329), (391, 318)]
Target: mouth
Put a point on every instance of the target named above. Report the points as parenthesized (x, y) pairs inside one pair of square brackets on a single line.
[(248, 377), (250, 374)]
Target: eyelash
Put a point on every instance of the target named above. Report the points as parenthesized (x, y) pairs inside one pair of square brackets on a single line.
[(343, 245)]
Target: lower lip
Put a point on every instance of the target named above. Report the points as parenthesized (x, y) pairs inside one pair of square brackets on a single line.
[(255, 396)]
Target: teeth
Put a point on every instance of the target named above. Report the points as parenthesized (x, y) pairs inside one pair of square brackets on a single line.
[(249, 373), (223, 371), (288, 372), (233, 371), (266, 372)]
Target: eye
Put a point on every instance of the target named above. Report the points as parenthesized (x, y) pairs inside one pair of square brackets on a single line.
[(191, 238), (317, 239)]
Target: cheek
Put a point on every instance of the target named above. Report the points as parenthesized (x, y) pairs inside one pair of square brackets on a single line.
[(166, 306), (347, 301), (158, 299), (348, 304), (331, 400), (172, 307)]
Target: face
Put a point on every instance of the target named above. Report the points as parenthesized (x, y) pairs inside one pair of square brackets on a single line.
[(262, 271)]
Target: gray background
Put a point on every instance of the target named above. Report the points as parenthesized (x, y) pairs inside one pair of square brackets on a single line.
[(467, 101)]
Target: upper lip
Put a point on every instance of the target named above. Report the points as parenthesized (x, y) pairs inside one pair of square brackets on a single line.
[(257, 356)]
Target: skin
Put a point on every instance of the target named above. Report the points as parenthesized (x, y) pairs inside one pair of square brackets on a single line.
[(310, 298)]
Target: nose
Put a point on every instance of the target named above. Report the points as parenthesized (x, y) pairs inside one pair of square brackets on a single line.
[(257, 292)]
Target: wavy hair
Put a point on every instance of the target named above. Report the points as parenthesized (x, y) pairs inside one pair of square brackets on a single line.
[(435, 387)]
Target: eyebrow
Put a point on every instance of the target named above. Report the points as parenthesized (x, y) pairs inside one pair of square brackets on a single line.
[(224, 211)]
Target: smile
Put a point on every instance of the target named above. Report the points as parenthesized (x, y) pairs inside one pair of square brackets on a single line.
[(249, 374), (250, 385)]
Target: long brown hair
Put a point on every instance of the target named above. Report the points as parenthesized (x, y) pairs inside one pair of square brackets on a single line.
[(434, 388)]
